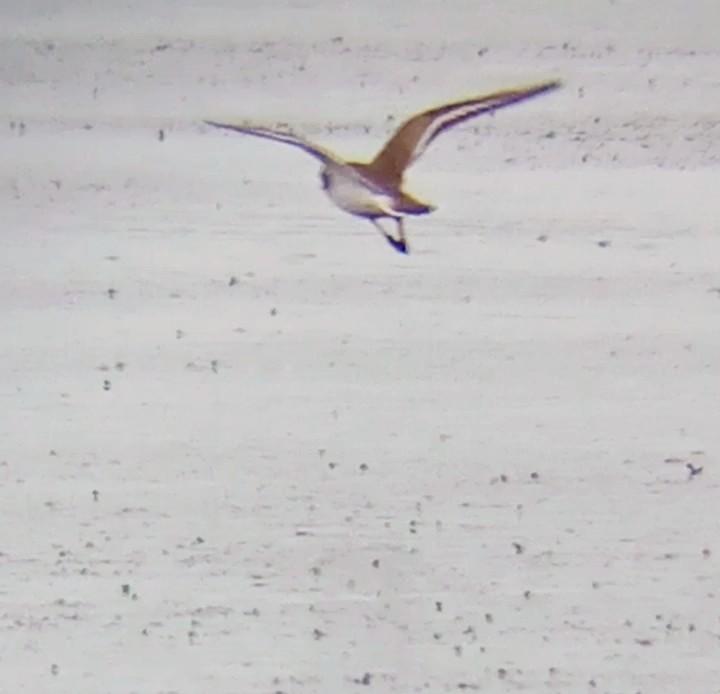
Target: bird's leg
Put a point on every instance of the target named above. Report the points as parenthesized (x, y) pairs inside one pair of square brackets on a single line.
[(398, 244), (377, 225), (402, 241)]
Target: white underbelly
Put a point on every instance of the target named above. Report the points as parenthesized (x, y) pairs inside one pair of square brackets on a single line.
[(352, 196)]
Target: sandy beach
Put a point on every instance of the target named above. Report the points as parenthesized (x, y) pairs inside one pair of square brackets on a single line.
[(247, 448)]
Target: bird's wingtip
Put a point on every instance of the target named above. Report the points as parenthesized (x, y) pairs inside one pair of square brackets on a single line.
[(551, 84)]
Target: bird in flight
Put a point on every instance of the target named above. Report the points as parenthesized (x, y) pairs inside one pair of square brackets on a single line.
[(374, 190)]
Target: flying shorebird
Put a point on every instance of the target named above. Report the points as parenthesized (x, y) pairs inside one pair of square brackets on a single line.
[(374, 190)]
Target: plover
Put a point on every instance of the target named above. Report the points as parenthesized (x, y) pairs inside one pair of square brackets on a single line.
[(374, 190)]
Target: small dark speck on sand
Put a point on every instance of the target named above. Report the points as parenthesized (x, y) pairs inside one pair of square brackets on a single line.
[(692, 470)]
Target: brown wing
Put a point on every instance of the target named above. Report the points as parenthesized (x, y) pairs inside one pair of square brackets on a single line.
[(324, 155), (413, 137)]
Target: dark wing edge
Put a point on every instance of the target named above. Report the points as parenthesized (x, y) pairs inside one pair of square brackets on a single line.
[(490, 103), (314, 150), (414, 136)]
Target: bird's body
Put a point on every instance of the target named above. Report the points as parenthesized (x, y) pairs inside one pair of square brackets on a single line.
[(374, 190), (361, 193), (354, 193)]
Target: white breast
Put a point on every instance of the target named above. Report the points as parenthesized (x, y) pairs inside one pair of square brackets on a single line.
[(350, 194)]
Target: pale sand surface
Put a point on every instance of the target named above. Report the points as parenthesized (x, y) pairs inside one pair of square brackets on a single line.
[(318, 466)]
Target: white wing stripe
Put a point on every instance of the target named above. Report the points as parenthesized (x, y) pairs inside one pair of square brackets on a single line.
[(441, 121)]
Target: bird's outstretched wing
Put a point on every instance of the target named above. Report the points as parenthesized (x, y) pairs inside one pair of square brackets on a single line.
[(414, 136), (324, 155)]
